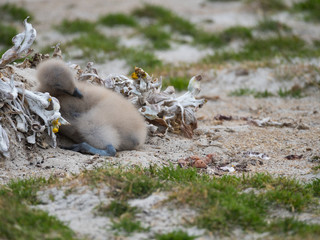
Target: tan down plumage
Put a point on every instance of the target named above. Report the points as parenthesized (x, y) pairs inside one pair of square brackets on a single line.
[(99, 117)]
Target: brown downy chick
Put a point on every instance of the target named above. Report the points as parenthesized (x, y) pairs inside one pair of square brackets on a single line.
[(100, 119)]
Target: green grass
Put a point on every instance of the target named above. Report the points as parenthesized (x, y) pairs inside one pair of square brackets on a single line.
[(235, 33), (134, 183), (6, 34), (76, 26), (116, 209), (165, 16), (311, 8), (223, 38), (179, 83), (159, 38), (128, 225), (291, 226), (139, 58), (242, 92), (269, 25), (223, 204), (314, 186), (175, 235), (295, 93), (11, 12), (209, 39), (18, 221), (93, 44), (118, 19), (263, 94), (264, 49), (268, 5)]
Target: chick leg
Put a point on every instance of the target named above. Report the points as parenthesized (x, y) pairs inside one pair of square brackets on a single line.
[(88, 149)]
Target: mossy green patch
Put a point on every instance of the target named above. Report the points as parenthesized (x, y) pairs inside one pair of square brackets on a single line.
[(116, 209), (159, 38), (291, 226), (128, 225), (268, 5), (175, 235), (263, 49), (294, 92), (76, 26), (269, 25), (6, 34), (118, 19), (9, 11), (242, 92), (94, 44), (140, 58), (179, 83), (165, 16), (209, 39), (223, 204), (310, 7), (236, 33), (19, 221)]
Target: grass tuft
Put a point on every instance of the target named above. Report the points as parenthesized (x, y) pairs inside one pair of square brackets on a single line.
[(268, 5), (236, 33), (128, 225), (6, 34), (159, 38), (179, 83), (263, 49), (18, 221), (116, 209), (94, 44), (11, 12), (75, 26), (118, 19), (175, 235), (269, 25), (165, 16), (310, 7), (291, 226), (293, 92), (144, 59)]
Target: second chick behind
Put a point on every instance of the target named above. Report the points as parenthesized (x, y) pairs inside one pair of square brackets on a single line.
[(101, 121)]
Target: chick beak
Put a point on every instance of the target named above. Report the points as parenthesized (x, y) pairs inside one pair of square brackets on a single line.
[(77, 93)]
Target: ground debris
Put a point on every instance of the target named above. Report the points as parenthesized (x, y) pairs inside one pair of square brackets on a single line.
[(267, 122), (293, 157), (27, 112), (22, 43), (162, 109), (223, 117), (256, 154)]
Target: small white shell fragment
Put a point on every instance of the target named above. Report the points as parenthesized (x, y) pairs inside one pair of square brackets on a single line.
[(229, 169)]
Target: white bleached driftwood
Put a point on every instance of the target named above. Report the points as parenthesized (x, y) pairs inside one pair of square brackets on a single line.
[(162, 109), (33, 112), (22, 45)]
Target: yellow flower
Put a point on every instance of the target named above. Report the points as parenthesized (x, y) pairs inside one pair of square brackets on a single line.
[(134, 75), (55, 122), (49, 99)]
